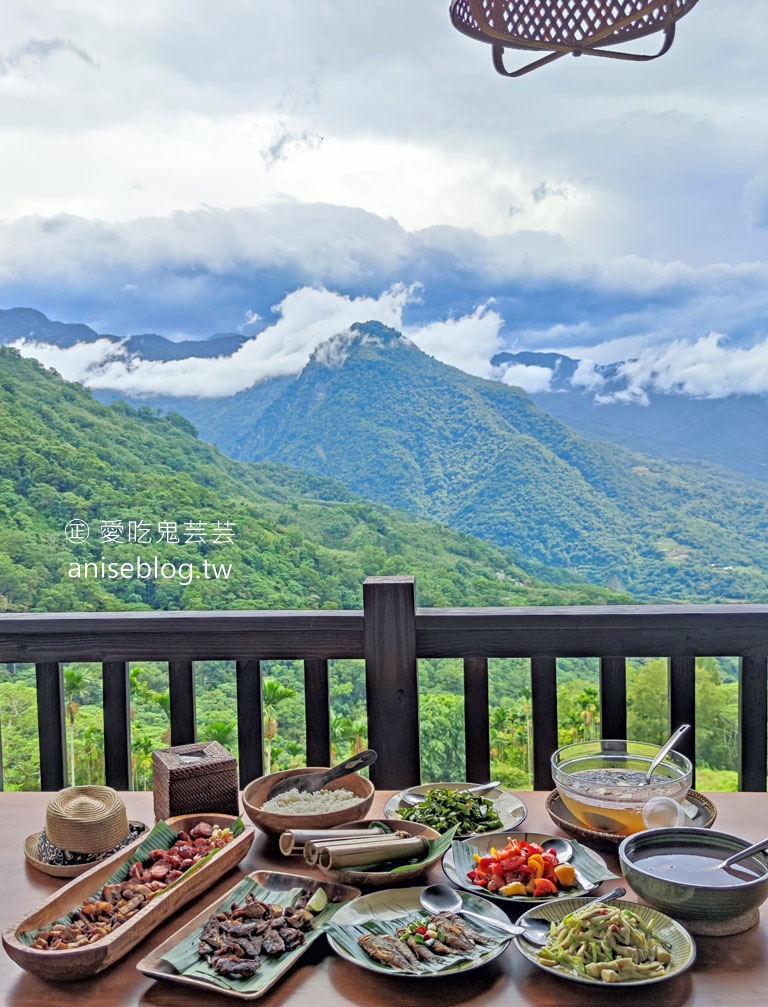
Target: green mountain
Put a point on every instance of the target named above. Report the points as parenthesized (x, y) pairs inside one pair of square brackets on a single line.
[(395, 425), (172, 523)]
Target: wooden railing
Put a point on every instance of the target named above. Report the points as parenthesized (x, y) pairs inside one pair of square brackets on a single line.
[(390, 635)]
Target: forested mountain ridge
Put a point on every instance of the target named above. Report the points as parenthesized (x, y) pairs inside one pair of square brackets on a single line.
[(286, 539), (398, 426), (718, 430)]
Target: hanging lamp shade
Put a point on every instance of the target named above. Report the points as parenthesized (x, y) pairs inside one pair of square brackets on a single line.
[(558, 27)]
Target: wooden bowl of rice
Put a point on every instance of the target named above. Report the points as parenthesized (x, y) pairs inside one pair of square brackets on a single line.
[(322, 810)]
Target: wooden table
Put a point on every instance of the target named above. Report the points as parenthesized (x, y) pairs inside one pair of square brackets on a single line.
[(728, 970)]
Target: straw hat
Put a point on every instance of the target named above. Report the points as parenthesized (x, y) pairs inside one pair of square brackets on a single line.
[(83, 825)]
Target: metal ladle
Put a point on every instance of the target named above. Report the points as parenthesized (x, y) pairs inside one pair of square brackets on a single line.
[(407, 797), (443, 899), (741, 855), (663, 752)]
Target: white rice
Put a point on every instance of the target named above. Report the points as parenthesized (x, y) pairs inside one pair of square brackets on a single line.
[(296, 802)]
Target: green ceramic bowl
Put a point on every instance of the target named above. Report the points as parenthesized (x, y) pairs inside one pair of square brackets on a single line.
[(694, 897)]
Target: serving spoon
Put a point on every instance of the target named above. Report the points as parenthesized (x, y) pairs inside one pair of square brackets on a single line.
[(407, 797), (740, 855), (309, 783), (663, 752), (443, 899)]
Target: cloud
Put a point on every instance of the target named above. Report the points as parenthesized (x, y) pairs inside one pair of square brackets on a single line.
[(304, 320), (35, 52), (704, 368), (529, 377)]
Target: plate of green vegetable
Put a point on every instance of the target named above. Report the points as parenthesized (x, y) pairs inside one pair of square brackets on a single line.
[(620, 943), (447, 804)]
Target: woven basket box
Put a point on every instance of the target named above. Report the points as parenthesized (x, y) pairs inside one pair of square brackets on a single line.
[(191, 779)]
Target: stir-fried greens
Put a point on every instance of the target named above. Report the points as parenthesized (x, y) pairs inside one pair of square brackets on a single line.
[(441, 809)]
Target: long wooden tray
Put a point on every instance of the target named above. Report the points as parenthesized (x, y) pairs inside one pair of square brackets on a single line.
[(78, 963), (155, 965)]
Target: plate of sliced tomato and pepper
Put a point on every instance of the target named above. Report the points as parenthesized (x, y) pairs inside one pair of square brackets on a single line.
[(523, 866)]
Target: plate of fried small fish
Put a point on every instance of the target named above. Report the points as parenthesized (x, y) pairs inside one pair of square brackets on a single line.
[(388, 932)]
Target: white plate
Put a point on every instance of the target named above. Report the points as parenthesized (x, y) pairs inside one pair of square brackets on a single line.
[(483, 845), (384, 911), (677, 938), (509, 807)]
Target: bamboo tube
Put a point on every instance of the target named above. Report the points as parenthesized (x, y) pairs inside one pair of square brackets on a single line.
[(293, 841), (352, 854), (313, 847)]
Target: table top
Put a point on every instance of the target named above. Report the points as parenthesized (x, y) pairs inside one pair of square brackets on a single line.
[(728, 970)]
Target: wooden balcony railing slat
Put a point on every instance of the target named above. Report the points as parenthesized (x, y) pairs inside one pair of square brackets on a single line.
[(116, 689), (181, 683), (317, 713), (198, 636), (682, 704), (391, 635), (544, 719), (594, 631), (250, 722), (477, 728), (51, 728), (753, 723), (613, 697), (391, 680)]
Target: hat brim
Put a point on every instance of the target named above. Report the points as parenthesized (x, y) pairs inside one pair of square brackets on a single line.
[(136, 829)]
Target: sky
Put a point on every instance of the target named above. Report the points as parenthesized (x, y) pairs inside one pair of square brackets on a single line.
[(285, 169)]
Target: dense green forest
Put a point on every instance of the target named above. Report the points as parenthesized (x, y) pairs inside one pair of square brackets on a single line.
[(480, 457), (441, 715), (294, 541), (279, 538)]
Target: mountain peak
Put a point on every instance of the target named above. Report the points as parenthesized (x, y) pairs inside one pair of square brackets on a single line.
[(334, 351)]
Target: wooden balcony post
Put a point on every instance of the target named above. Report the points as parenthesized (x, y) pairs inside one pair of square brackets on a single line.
[(51, 729), (317, 713), (181, 684), (250, 721), (477, 728), (682, 704), (391, 680), (544, 719), (116, 686), (613, 697), (753, 693)]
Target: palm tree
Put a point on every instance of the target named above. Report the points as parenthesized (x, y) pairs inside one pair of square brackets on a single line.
[(76, 682), (93, 752), (272, 694), (223, 731)]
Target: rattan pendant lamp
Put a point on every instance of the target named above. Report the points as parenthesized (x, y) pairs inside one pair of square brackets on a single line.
[(558, 27)]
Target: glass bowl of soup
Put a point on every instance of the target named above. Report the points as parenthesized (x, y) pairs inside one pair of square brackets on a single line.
[(676, 871), (602, 783)]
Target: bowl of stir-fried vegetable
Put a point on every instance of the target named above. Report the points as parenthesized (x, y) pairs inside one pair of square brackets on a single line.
[(446, 805)]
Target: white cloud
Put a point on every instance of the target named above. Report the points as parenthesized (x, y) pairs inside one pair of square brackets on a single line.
[(73, 363), (305, 319), (529, 377), (468, 342), (172, 165), (586, 376), (705, 368)]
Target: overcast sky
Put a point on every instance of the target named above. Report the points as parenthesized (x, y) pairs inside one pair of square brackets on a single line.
[(286, 168)]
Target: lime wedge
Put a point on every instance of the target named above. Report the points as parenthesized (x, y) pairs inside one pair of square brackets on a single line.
[(318, 902)]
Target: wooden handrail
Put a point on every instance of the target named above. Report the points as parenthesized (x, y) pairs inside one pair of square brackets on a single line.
[(390, 634)]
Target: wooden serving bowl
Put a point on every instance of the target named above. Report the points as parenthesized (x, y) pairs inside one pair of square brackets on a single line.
[(88, 960), (257, 791)]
